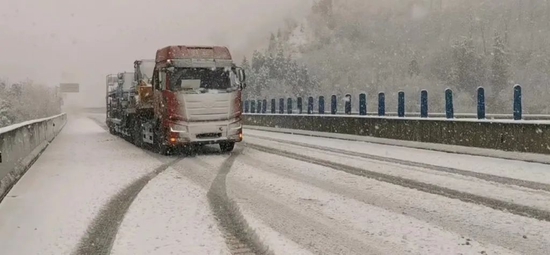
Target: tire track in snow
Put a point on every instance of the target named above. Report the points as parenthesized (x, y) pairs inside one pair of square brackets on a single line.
[(101, 234), (240, 237), (425, 187), (482, 176)]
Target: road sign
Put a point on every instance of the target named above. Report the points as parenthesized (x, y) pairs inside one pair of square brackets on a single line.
[(69, 87)]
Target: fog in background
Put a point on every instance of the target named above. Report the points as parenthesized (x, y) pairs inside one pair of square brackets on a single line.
[(359, 46), (82, 41)]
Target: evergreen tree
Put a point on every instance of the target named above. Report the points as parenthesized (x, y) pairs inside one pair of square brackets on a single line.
[(499, 67), (258, 61), (469, 72), (272, 47)]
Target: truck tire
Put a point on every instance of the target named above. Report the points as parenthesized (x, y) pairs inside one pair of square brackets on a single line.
[(227, 146), (137, 133), (159, 145)]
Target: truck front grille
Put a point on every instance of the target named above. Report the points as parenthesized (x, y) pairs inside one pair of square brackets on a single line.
[(209, 135)]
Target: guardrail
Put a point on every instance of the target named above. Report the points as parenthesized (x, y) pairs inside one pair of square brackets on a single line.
[(21, 144), (286, 105), (507, 135)]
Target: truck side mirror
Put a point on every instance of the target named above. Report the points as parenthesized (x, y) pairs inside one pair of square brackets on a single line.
[(241, 75)]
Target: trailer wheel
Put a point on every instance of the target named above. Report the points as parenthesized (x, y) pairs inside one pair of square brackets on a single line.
[(137, 133), (227, 146)]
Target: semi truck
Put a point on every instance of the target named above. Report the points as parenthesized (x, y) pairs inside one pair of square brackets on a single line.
[(187, 96)]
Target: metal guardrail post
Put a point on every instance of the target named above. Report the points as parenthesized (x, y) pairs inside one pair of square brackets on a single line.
[(401, 104), (449, 106), (347, 109), (289, 106), (246, 106), (381, 104), (273, 106), (264, 106), (363, 104), (424, 103), (299, 105), (281, 105), (310, 105), (517, 102), (333, 105), (480, 103), (321, 105), (253, 106)]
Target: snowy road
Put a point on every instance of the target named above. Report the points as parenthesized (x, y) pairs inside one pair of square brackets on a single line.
[(294, 194)]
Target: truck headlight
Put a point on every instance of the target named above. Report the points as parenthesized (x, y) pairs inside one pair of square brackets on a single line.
[(179, 128)]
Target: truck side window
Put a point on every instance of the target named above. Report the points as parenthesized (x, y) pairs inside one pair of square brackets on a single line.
[(162, 80)]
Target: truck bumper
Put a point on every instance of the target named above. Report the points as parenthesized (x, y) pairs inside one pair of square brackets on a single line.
[(181, 133)]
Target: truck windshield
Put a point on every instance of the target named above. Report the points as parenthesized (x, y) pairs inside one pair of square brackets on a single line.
[(200, 79), (146, 69)]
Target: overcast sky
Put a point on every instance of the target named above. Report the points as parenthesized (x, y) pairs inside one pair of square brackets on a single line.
[(86, 40)]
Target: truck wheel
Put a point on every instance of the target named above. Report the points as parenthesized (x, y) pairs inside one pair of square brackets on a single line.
[(160, 147), (227, 146), (137, 134)]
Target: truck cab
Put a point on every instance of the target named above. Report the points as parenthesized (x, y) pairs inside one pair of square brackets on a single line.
[(196, 98)]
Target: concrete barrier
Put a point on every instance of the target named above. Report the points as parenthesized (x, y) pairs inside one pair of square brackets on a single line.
[(518, 136), (21, 144)]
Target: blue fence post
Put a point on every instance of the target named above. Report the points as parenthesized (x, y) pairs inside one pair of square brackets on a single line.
[(273, 107), (281, 105), (401, 104), (321, 105), (480, 103), (449, 106), (517, 102), (362, 104), (333, 105), (299, 104), (424, 103), (289, 106), (252, 106), (381, 104), (347, 108), (310, 105), (246, 106), (264, 106)]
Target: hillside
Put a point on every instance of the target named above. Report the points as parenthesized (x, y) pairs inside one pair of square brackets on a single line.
[(353, 46)]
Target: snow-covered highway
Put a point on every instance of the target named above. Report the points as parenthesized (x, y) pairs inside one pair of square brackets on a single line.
[(94, 193)]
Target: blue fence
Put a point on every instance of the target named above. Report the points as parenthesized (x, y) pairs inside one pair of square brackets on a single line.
[(250, 105)]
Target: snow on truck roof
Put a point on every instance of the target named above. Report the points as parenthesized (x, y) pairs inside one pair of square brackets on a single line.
[(192, 52)]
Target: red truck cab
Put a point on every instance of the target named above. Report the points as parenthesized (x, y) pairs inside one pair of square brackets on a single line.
[(197, 97)]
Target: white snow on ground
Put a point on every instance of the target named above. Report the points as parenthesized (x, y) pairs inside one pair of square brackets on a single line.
[(361, 221), (277, 242), (523, 196), (170, 215), (501, 167), (533, 157), (50, 208)]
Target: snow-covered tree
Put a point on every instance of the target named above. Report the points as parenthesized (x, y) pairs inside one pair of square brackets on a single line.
[(25, 101), (499, 66)]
